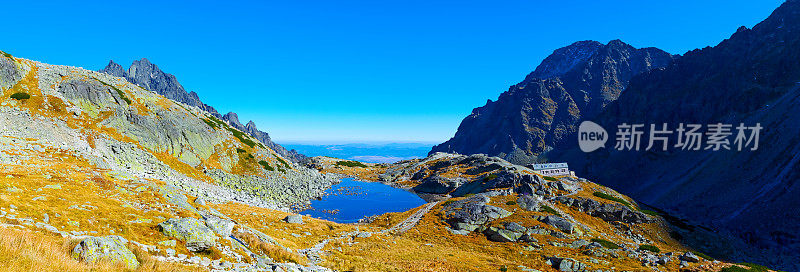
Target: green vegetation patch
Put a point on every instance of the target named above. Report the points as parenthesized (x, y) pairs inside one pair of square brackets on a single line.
[(650, 248), (605, 243), (266, 166), (511, 203), (241, 136), (350, 164), (550, 210), (649, 212), (550, 178), (209, 123), (20, 96), (702, 255), (612, 198), (119, 92), (215, 123), (285, 164), (6, 54), (490, 177), (750, 268)]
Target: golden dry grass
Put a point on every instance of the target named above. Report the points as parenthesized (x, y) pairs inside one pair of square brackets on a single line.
[(275, 252), (22, 250)]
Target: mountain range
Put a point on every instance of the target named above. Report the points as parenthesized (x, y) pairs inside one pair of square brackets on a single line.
[(750, 78)]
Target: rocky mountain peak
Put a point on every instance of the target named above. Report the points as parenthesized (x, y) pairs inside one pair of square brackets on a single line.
[(565, 59), (251, 125), (575, 82), (233, 118), (114, 69)]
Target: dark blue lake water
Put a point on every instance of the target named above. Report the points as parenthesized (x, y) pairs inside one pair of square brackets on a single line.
[(351, 200)]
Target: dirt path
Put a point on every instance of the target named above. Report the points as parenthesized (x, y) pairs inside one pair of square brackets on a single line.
[(314, 253), (412, 220)]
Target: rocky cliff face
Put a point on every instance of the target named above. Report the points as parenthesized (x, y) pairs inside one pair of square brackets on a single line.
[(145, 74), (541, 112), (750, 78)]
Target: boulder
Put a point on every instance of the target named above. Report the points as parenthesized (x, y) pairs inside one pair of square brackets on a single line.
[(294, 219), (439, 185), (690, 257), (221, 226), (472, 212), (567, 265), (530, 202), (501, 235), (195, 233), (559, 222), (110, 248)]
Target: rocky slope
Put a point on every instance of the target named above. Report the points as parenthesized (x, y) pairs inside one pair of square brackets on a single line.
[(147, 75), (749, 78), (91, 156), (552, 224), (542, 112)]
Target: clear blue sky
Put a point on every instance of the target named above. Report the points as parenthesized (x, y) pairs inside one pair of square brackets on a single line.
[(355, 70)]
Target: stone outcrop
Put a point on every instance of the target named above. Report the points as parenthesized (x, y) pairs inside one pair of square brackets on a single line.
[(606, 211), (472, 213), (111, 248), (197, 236)]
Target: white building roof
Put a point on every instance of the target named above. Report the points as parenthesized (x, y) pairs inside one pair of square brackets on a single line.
[(543, 166)]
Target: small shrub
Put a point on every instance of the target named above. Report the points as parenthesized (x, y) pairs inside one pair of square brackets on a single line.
[(612, 198), (209, 123), (490, 177), (550, 178), (241, 136), (266, 166), (20, 96), (751, 267), (503, 268), (119, 92), (550, 210), (704, 256), (605, 243), (7, 55), (650, 248), (649, 212), (735, 269), (282, 161), (350, 164), (511, 203)]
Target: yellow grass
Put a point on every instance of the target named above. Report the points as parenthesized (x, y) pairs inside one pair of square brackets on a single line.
[(22, 250)]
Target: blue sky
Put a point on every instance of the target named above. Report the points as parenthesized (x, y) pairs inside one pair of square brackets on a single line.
[(354, 71)]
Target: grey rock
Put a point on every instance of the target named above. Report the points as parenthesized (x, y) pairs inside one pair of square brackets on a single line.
[(294, 219), (690, 257), (110, 248), (472, 212), (195, 233), (559, 222), (221, 226), (530, 202)]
